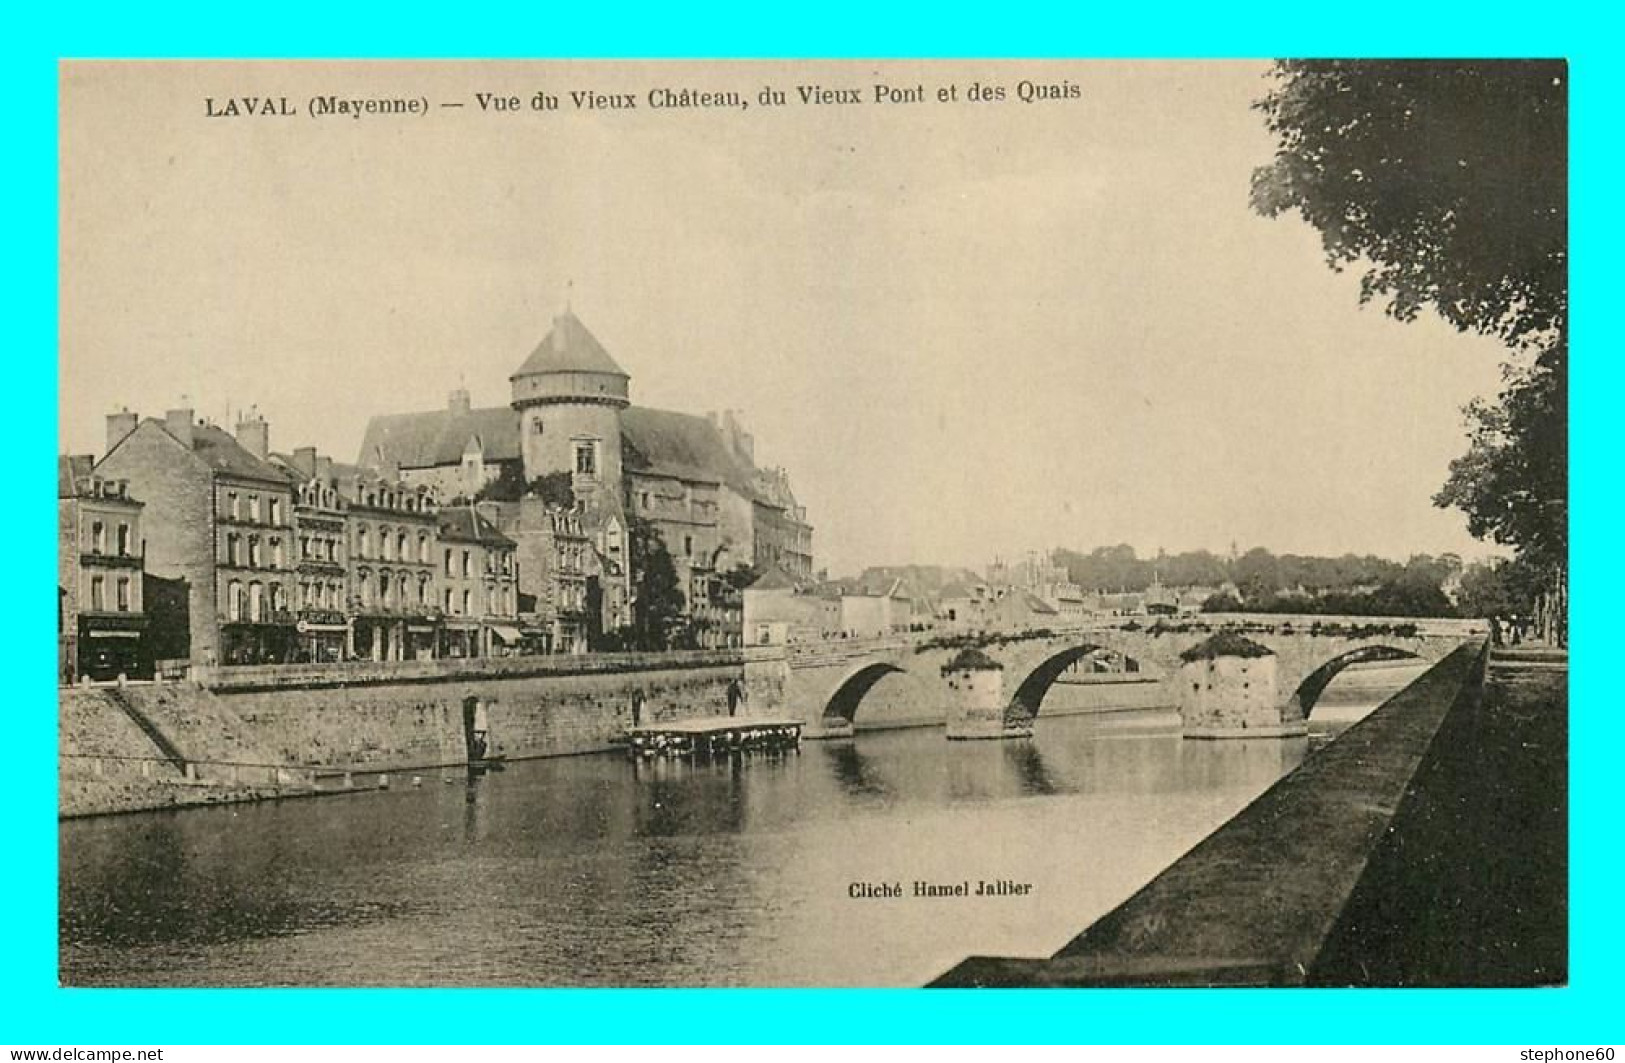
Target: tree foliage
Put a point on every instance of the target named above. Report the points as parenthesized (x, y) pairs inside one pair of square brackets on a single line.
[(554, 488), (1449, 180), (1448, 183), (510, 486), (658, 601), (1513, 481)]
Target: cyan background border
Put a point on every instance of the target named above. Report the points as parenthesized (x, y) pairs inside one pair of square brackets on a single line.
[(35, 1011)]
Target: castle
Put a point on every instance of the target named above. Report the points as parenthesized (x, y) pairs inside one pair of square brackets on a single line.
[(694, 478)]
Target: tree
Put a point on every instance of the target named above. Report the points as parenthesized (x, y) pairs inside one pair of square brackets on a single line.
[(1448, 182), (1450, 179), (1513, 481), (659, 604), (1498, 588), (554, 488), (1222, 603)]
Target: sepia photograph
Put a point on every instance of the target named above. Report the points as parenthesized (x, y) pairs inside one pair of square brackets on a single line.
[(816, 523)]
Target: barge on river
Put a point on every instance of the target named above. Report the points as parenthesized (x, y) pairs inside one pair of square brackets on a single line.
[(714, 736)]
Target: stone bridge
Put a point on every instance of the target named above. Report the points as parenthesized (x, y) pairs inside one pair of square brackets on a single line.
[(1000, 691)]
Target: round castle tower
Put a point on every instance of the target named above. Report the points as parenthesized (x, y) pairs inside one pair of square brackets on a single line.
[(569, 395)]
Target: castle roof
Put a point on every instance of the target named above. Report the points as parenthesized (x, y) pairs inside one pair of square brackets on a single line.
[(569, 348), (684, 447), (438, 437), (660, 443)]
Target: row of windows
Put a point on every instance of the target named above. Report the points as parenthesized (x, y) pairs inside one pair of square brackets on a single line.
[(462, 562), (253, 601), (319, 548), (572, 557), (321, 594), (499, 601), (98, 539), (254, 508), (251, 552), (98, 594), (392, 546), (389, 592)]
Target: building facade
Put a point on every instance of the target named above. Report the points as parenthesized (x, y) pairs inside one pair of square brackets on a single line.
[(219, 528), (101, 622), (479, 586)]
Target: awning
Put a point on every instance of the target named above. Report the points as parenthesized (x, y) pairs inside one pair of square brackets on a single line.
[(505, 633)]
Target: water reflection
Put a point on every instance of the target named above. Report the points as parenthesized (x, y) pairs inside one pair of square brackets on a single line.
[(601, 871)]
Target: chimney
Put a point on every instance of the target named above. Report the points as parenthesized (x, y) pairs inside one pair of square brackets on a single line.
[(323, 468), (254, 434), (179, 425), (304, 460), (119, 425), (458, 402)]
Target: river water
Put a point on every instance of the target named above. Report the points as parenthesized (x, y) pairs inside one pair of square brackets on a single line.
[(597, 871)]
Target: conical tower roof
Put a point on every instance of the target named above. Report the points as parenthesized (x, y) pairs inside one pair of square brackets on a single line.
[(569, 348)]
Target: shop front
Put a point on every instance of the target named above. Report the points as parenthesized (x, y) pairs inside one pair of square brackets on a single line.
[(322, 636), (244, 642), (110, 645), (460, 638)]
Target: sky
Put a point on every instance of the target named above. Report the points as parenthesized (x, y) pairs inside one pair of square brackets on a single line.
[(967, 329)]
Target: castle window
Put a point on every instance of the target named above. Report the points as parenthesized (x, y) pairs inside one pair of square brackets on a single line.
[(536, 426), (450, 569), (124, 540), (234, 505), (234, 600), (423, 549), (256, 602), (98, 593), (98, 538), (276, 511), (587, 459), (254, 508), (468, 567), (253, 551)]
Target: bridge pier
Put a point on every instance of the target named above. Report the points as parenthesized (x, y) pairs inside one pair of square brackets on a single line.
[(1229, 687), (977, 706)]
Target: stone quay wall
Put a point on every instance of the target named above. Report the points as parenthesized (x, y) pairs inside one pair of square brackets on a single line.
[(265, 730)]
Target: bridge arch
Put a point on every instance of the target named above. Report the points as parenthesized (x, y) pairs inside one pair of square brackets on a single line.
[(850, 691), (1029, 695), (1316, 682)]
